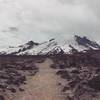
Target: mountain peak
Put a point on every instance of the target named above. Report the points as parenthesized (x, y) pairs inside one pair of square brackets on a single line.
[(51, 39), (32, 43), (54, 46), (86, 42)]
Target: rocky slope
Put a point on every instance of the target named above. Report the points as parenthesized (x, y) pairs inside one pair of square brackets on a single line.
[(53, 46), (14, 74), (81, 73)]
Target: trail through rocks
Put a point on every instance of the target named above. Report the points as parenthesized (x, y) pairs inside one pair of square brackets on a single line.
[(44, 85)]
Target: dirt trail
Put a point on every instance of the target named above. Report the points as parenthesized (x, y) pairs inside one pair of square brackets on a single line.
[(44, 85)]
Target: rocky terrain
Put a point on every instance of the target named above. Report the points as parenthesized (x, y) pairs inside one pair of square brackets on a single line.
[(52, 70), (82, 74), (14, 72), (54, 77)]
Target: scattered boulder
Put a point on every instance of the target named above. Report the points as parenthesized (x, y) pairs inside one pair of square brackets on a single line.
[(20, 89), (13, 90), (64, 74), (95, 83)]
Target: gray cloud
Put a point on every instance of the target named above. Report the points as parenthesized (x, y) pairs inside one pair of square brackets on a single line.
[(43, 19)]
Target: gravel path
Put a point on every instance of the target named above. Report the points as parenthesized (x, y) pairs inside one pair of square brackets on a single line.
[(44, 85)]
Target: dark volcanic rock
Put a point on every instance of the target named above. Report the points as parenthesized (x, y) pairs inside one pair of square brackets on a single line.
[(13, 73), (63, 74), (12, 90), (20, 89), (2, 97), (82, 74), (95, 83)]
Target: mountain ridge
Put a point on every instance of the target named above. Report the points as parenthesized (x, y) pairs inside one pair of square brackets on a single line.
[(54, 46)]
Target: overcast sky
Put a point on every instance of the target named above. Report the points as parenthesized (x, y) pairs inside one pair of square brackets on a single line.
[(39, 20)]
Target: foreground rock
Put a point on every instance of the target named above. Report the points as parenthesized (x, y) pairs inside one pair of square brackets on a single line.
[(82, 74), (13, 74)]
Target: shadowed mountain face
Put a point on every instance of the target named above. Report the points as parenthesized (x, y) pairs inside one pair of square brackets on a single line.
[(25, 47), (86, 42), (30, 44), (54, 46)]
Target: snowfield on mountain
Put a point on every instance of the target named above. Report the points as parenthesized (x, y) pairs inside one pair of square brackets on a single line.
[(53, 46)]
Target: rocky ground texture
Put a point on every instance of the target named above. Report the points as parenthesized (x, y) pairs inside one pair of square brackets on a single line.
[(55, 77), (14, 72), (82, 74)]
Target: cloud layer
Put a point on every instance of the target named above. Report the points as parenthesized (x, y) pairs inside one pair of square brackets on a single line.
[(43, 19)]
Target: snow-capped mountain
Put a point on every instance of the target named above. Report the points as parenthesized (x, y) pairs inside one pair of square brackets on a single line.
[(53, 46)]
